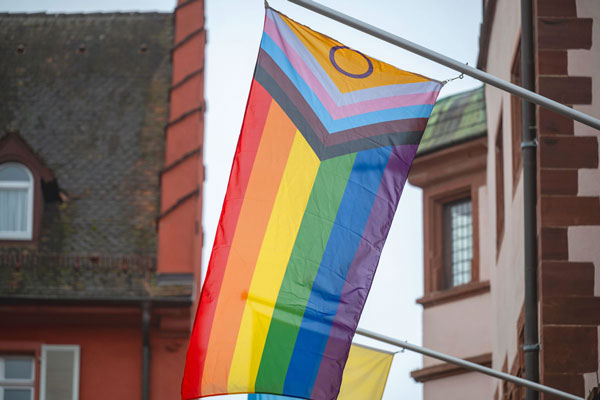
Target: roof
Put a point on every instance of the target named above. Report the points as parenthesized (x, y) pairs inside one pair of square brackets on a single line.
[(31, 276), (89, 94), (455, 119)]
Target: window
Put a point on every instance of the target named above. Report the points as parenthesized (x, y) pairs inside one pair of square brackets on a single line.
[(60, 373), (499, 187), (17, 376), (452, 180), (458, 242), (16, 202)]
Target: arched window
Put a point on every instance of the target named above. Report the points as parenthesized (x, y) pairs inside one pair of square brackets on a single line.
[(16, 202)]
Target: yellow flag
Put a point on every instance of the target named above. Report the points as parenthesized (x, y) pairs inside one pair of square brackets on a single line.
[(365, 374)]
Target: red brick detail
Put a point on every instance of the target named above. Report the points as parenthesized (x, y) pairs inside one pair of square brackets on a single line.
[(568, 152), (554, 244), (552, 62), (569, 349), (179, 236), (566, 90), (177, 233), (570, 211), (558, 181), (571, 311), (564, 33), (178, 182), (569, 383), (188, 19), (556, 8), (188, 57), (566, 279), (179, 139), (187, 97), (551, 123)]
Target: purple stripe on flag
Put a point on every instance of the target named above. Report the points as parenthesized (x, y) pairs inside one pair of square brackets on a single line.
[(361, 272)]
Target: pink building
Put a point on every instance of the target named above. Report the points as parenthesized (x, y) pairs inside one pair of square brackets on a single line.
[(469, 167)]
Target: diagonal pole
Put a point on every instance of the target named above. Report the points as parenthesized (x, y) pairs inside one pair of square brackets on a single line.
[(466, 364), (450, 63)]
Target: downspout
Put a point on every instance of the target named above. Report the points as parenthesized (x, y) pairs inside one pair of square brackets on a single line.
[(145, 350), (531, 346)]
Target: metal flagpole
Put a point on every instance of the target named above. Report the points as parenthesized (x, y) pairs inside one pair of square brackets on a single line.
[(450, 63), (467, 364)]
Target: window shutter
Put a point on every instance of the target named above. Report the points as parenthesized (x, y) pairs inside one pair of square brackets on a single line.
[(60, 373)]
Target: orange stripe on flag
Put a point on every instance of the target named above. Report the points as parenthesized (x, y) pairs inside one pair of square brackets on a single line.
[(271, 159)]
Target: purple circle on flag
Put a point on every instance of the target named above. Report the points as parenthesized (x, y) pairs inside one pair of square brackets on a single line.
[(357, 76)]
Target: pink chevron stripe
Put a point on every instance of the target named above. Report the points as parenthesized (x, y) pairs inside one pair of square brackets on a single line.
[(339, 112)]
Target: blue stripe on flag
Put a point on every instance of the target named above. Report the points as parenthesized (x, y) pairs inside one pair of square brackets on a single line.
[(343, 241)]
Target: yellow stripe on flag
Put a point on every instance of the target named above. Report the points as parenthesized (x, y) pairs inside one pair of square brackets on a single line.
[(288, 210)]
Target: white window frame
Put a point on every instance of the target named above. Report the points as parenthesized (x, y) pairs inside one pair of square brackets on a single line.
[(17, 383), (76, 351), (18, 235)]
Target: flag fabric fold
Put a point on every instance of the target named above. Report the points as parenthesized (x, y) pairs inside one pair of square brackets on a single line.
[(327, 141)]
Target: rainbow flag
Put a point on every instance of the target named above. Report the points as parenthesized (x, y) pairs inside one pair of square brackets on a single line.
[(365, 375), (327, 140)]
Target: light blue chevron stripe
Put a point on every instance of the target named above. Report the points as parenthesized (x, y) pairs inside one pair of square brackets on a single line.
[(333, 126)]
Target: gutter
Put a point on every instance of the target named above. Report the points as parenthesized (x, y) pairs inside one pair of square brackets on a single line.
[(145, 349), (531, 346)]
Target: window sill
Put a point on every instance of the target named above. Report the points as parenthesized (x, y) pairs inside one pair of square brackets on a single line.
[(445, 370), (454, 294)]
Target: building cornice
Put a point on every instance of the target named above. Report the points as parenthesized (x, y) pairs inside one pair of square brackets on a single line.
[(445, 370), (462, 159), (457, 293)]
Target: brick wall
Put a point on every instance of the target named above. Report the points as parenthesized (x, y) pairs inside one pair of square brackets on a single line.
[(180, 221), (569, 308)]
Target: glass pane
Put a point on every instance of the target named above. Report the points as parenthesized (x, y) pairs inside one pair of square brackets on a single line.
[(18, 368), (461, 236), (14, 173), (17, 394), (13, 210), (60, 366)]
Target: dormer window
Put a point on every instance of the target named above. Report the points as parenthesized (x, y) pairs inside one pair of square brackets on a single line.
[(16, 202)]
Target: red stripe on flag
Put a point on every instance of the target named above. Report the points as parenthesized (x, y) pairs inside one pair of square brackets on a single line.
[(257, 109)]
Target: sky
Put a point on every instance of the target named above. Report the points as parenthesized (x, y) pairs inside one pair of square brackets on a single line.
[(234, 29)]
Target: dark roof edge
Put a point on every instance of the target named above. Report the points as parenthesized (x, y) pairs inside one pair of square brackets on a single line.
[(91, 14), (453, 143), (175, 301)]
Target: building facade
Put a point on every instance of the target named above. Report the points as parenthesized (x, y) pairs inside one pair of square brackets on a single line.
[(473, 213), (101, 172)]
